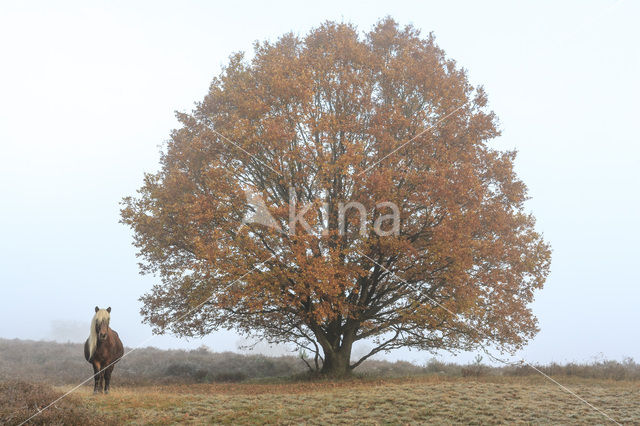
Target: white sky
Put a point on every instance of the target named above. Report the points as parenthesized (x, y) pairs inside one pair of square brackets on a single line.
[(88, 91)]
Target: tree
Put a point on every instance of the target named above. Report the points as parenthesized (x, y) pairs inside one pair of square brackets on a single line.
[(306, 126)]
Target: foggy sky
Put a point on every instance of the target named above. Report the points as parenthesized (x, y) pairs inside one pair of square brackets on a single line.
[(88, 93)]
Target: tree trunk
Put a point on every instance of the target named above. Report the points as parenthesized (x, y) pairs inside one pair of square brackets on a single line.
[(336, 363), (337, 358)]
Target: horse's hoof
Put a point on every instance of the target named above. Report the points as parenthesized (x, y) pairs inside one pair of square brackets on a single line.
[(106, 391)]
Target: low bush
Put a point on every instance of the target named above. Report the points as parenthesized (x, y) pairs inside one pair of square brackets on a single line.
[(64, 363), (20, 400)]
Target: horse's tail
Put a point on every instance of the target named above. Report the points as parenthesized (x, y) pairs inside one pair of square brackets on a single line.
[(87, 352)]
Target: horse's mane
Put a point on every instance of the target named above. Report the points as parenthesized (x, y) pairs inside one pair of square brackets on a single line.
[(101, 315)]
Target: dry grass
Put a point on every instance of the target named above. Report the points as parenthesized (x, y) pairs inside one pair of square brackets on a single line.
[(429, 399), (160, 387), (20, 400)]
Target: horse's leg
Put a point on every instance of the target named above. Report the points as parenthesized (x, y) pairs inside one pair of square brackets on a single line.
[(101, 379), (107, 378), (96, 377)]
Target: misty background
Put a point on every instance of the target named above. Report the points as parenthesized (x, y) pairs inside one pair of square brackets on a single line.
[(88, 93)]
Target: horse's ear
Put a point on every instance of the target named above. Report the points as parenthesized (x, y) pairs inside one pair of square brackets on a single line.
[(97, 309), (109, 309)]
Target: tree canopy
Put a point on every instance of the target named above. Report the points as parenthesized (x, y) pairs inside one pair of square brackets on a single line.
[(435, 251)]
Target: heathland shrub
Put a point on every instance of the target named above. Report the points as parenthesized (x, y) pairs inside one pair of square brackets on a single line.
[(64, 363), (20, 400)]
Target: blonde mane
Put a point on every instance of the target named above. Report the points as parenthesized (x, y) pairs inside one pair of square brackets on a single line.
[(100, 316)]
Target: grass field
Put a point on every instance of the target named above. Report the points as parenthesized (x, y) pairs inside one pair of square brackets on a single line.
[(159, 387), (427, 399)]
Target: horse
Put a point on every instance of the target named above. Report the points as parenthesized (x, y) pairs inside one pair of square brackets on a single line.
[(102, 349)]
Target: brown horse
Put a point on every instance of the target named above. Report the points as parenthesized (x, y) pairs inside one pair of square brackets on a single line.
[(102, 349)]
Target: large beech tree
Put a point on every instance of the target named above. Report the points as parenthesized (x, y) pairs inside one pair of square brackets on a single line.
[(320, 121)]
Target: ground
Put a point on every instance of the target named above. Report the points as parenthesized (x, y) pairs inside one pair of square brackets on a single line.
[(432, 399)]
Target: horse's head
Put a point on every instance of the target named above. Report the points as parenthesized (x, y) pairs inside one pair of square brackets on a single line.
[(102, 322)]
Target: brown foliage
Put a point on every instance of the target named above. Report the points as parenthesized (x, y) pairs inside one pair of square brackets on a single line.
[(330, 115)]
